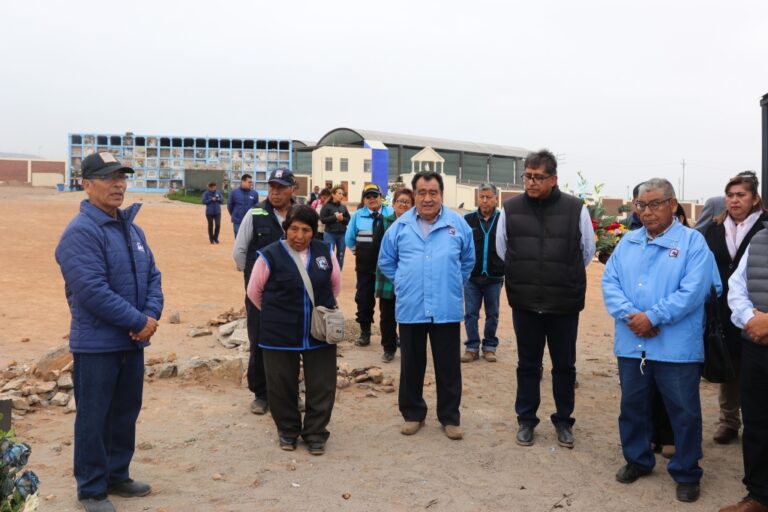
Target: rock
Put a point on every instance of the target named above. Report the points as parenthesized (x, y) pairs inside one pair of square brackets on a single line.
[(170, 357), (228, 328), (228, 369), (343, 369), (53, 361), (27, 390), (371, 394), (195, 369), (69, 367), (167, 371), (149, 371), (24, 340), (56, 448), (385, 389), (145, 445), (71, 406), (20, 404), (362, 378), (42, 388), (65, 381), (61, 399), (217, 476), (225, 343), (14, 385), (346, 495), (342, 382), (389, 381), (33, 399), (376, 375), (154, 360), (239, 336), (197, 332), (174, 317)]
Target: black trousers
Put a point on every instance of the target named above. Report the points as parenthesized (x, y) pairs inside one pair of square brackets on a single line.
[(257, 381), (533, 331), (445, 342), (388, 325), (214, 226), (282, 370), (754, 413), (364, 297)]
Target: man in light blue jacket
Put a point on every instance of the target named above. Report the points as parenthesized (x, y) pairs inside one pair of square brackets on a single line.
[(428, 253), (655, 285)]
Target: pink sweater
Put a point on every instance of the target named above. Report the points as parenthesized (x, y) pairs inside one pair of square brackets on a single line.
[(260, 275)]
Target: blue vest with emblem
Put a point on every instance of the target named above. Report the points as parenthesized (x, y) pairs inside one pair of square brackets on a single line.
[(285, 306)]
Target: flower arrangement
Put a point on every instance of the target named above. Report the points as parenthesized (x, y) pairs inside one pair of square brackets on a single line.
[(18, 493), (608, 231)]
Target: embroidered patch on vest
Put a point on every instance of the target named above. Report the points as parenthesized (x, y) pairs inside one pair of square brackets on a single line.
[(674, 253), (322, 263)]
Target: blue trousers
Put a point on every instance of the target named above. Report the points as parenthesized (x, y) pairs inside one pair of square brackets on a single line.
[(474, 296), (108, 393), (336, 240), (678, 384)]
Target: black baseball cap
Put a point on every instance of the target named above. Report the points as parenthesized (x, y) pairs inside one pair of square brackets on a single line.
[(102, 164), (282, 176)]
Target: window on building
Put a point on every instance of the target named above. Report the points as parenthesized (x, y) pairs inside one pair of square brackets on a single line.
[(366, 166), (328, 163), (344, 165)]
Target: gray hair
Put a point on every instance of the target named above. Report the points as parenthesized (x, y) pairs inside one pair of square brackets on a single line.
[(658, 184), (487, 186)]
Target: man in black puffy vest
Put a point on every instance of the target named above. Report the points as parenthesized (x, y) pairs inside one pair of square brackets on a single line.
[(261, 226), (546, 239)]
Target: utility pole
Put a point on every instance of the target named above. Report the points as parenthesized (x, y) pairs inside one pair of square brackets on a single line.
[(682, 187)]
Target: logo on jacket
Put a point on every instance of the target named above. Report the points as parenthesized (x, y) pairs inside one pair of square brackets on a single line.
[(674, 253), (139, 246), (322, 262), (452, 231)]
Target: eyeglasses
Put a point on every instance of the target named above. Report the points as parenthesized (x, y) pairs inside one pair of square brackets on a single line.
[(653, 205), (404, 202), (115, 176), (538, 178)]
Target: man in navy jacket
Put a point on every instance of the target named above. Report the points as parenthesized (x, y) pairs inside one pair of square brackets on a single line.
[(113, 289), (241, 200), (212, 202)]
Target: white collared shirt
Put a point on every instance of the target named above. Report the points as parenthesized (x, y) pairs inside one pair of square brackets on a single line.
[(735, 233), (738, 295)]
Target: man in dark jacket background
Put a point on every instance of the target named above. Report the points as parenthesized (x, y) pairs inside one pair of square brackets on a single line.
[(241, 200), (212, 201), (113, 289), (484, 285), (261, 226), (546, 240)]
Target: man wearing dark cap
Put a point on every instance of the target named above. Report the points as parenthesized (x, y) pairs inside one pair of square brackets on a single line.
[(113, 289), (261, 226), (359, 239)]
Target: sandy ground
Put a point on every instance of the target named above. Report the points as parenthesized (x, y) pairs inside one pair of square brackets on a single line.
[(191, 432)]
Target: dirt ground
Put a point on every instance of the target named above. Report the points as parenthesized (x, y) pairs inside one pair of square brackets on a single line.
[(202, 450)]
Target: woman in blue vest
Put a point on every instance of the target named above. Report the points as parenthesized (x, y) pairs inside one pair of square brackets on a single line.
[(276, 287)]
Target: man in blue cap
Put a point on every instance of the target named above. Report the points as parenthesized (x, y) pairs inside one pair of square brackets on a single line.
[(113, 289)]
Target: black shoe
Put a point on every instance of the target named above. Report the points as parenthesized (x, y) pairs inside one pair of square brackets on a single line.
[(524, 435), (388, 357), (97, 504), (212, 242), (129, 489), (215, 241), (259, 406), (629, 473), (564, 436), (287, 443), (364, 339), (316, 447), (688, 492)]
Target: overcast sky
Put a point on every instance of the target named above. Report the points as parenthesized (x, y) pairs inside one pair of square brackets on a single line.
[(621, 90)]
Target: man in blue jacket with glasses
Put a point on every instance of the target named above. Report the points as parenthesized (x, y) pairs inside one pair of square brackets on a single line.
[(113, 289)]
